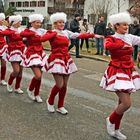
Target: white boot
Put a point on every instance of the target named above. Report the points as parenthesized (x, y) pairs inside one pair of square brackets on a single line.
[(110, 127), (62, 110), (119, 135), (19, 91), (38, 99), (50, 107), (31, 95), (9, 88), (3, 82)]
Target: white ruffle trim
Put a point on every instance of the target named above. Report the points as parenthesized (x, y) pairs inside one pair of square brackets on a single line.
[(117, 84), (34, 59), (59, 66), (15, 55)]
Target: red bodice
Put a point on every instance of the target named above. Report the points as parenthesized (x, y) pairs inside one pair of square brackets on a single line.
[(121, 57), (33, 40), (2, 40), (14, 38)]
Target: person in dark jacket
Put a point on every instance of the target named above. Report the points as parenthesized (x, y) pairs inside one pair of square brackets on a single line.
[(74, 27), (134, 29), (100, 29), (109, 31)]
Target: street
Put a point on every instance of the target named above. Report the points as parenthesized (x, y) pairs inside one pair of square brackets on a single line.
[(87, 103)]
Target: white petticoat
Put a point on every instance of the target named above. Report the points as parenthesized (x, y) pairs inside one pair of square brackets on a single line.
[(15, 55), (121, 82), (34, 60), (3, 52), (60, 67)]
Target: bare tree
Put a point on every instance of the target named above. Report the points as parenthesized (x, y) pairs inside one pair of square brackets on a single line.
[(100, 7), (135, 8), (1, 6)]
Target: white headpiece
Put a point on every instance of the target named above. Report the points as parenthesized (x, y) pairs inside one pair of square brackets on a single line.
[(35, 17), (58, 16), (2, 16), (120, 18), (15, 18)]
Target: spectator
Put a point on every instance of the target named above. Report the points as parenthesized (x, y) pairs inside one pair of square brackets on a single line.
[(84, 29), (100, 29), (74, 27), (109, 31), (135, 30), (66, 25)]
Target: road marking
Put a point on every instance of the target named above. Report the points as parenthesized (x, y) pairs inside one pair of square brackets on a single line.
[(92, 109), (94, 76), (97, 76), (85, 70)]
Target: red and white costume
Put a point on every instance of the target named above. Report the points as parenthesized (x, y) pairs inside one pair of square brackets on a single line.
[(121, 74), (34, 54), (3, 49), (3, 44), (15, 44), (60, 61)]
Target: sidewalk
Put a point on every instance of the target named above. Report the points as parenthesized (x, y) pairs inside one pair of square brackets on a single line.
[(91, 54)]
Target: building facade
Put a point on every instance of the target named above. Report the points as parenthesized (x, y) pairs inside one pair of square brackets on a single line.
[(46, 7), (26, 7)]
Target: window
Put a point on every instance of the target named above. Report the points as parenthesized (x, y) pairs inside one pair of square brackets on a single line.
[(12, 4), (18, 4), (41, 4), (33, 4), (26, 4)]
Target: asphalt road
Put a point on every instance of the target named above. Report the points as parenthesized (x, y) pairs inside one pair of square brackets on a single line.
[(87, 103)]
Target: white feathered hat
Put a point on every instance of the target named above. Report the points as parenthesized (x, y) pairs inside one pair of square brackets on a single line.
[(2, 16), (120, 18), (58, 16), (35, 17), (15, 18)]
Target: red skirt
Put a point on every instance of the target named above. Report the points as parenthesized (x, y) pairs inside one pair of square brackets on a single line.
[(60, 62), (15, 54), (32, 57), (118, 79)]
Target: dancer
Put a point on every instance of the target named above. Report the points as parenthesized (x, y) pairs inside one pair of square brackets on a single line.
[(15, 52), (60, 63), (120, 76), (34, 56), (3, 48)]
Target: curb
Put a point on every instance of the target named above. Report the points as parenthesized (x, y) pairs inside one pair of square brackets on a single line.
[(85, 56), (91, 57)]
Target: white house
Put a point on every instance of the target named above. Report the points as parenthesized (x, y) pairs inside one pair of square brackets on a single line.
[(26, 7), (46, 7)]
